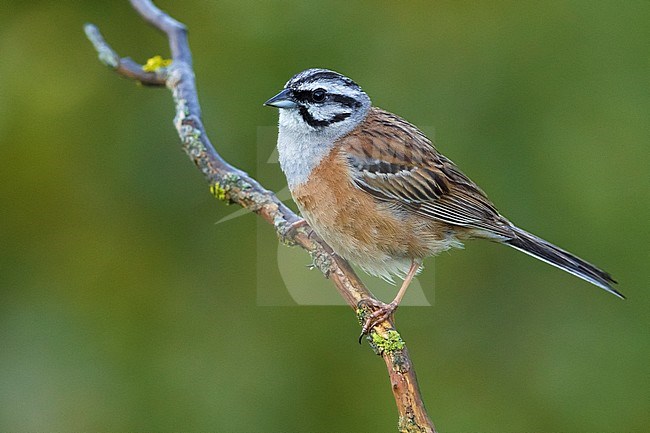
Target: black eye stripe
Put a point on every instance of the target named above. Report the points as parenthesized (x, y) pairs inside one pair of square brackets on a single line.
[(302, 95), (305, 96), (346, 100)]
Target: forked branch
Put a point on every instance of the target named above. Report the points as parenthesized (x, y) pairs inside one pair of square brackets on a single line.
[(233, 185)]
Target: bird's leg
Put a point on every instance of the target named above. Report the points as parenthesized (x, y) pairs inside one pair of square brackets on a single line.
[(384, 311)]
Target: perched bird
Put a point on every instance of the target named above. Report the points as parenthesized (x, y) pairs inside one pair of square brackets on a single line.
[(375, 188)]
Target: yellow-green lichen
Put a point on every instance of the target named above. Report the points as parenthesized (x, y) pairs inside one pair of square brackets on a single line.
[(390, 343), (361, 315), (218, 191), (156, 62)]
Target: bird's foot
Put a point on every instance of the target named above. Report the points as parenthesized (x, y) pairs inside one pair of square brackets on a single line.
[(381, 313), (291, 230)]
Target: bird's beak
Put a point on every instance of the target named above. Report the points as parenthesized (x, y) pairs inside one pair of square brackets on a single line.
[(282, 100)]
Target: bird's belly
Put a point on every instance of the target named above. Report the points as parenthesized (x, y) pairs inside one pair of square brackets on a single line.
[(380, 237), (363, 245)]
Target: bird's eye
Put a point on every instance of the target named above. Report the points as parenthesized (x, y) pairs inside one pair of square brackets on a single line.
[(318, 95)]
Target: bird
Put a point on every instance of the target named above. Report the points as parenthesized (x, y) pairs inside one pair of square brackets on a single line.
[(379, 193)]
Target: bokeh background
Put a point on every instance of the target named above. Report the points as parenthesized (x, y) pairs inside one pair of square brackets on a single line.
[(125, 307)]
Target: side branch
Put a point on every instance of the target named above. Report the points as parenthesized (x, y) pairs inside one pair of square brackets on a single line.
[(233, 185), (123, 66)]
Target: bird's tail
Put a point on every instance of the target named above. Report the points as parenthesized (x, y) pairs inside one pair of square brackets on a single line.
[(539, 248)]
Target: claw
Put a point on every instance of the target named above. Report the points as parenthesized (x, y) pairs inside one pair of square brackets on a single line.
[(382, 313), (361, 337), (369, 302)]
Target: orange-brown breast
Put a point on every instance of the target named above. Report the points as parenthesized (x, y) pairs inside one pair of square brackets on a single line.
[(358, 226)]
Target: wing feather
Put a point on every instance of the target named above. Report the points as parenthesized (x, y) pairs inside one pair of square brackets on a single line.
[(393, 161)]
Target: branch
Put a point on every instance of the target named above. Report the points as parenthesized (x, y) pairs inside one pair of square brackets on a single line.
[(230, 184)]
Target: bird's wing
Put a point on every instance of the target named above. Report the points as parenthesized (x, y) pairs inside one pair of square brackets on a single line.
[(392, 160)]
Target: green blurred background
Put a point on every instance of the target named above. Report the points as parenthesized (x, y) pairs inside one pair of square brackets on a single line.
[(124, 307)]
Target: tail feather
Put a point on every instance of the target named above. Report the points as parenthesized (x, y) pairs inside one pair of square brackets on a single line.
[(549, 253)]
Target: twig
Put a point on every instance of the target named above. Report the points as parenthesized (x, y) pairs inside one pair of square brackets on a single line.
[(233, 185)]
